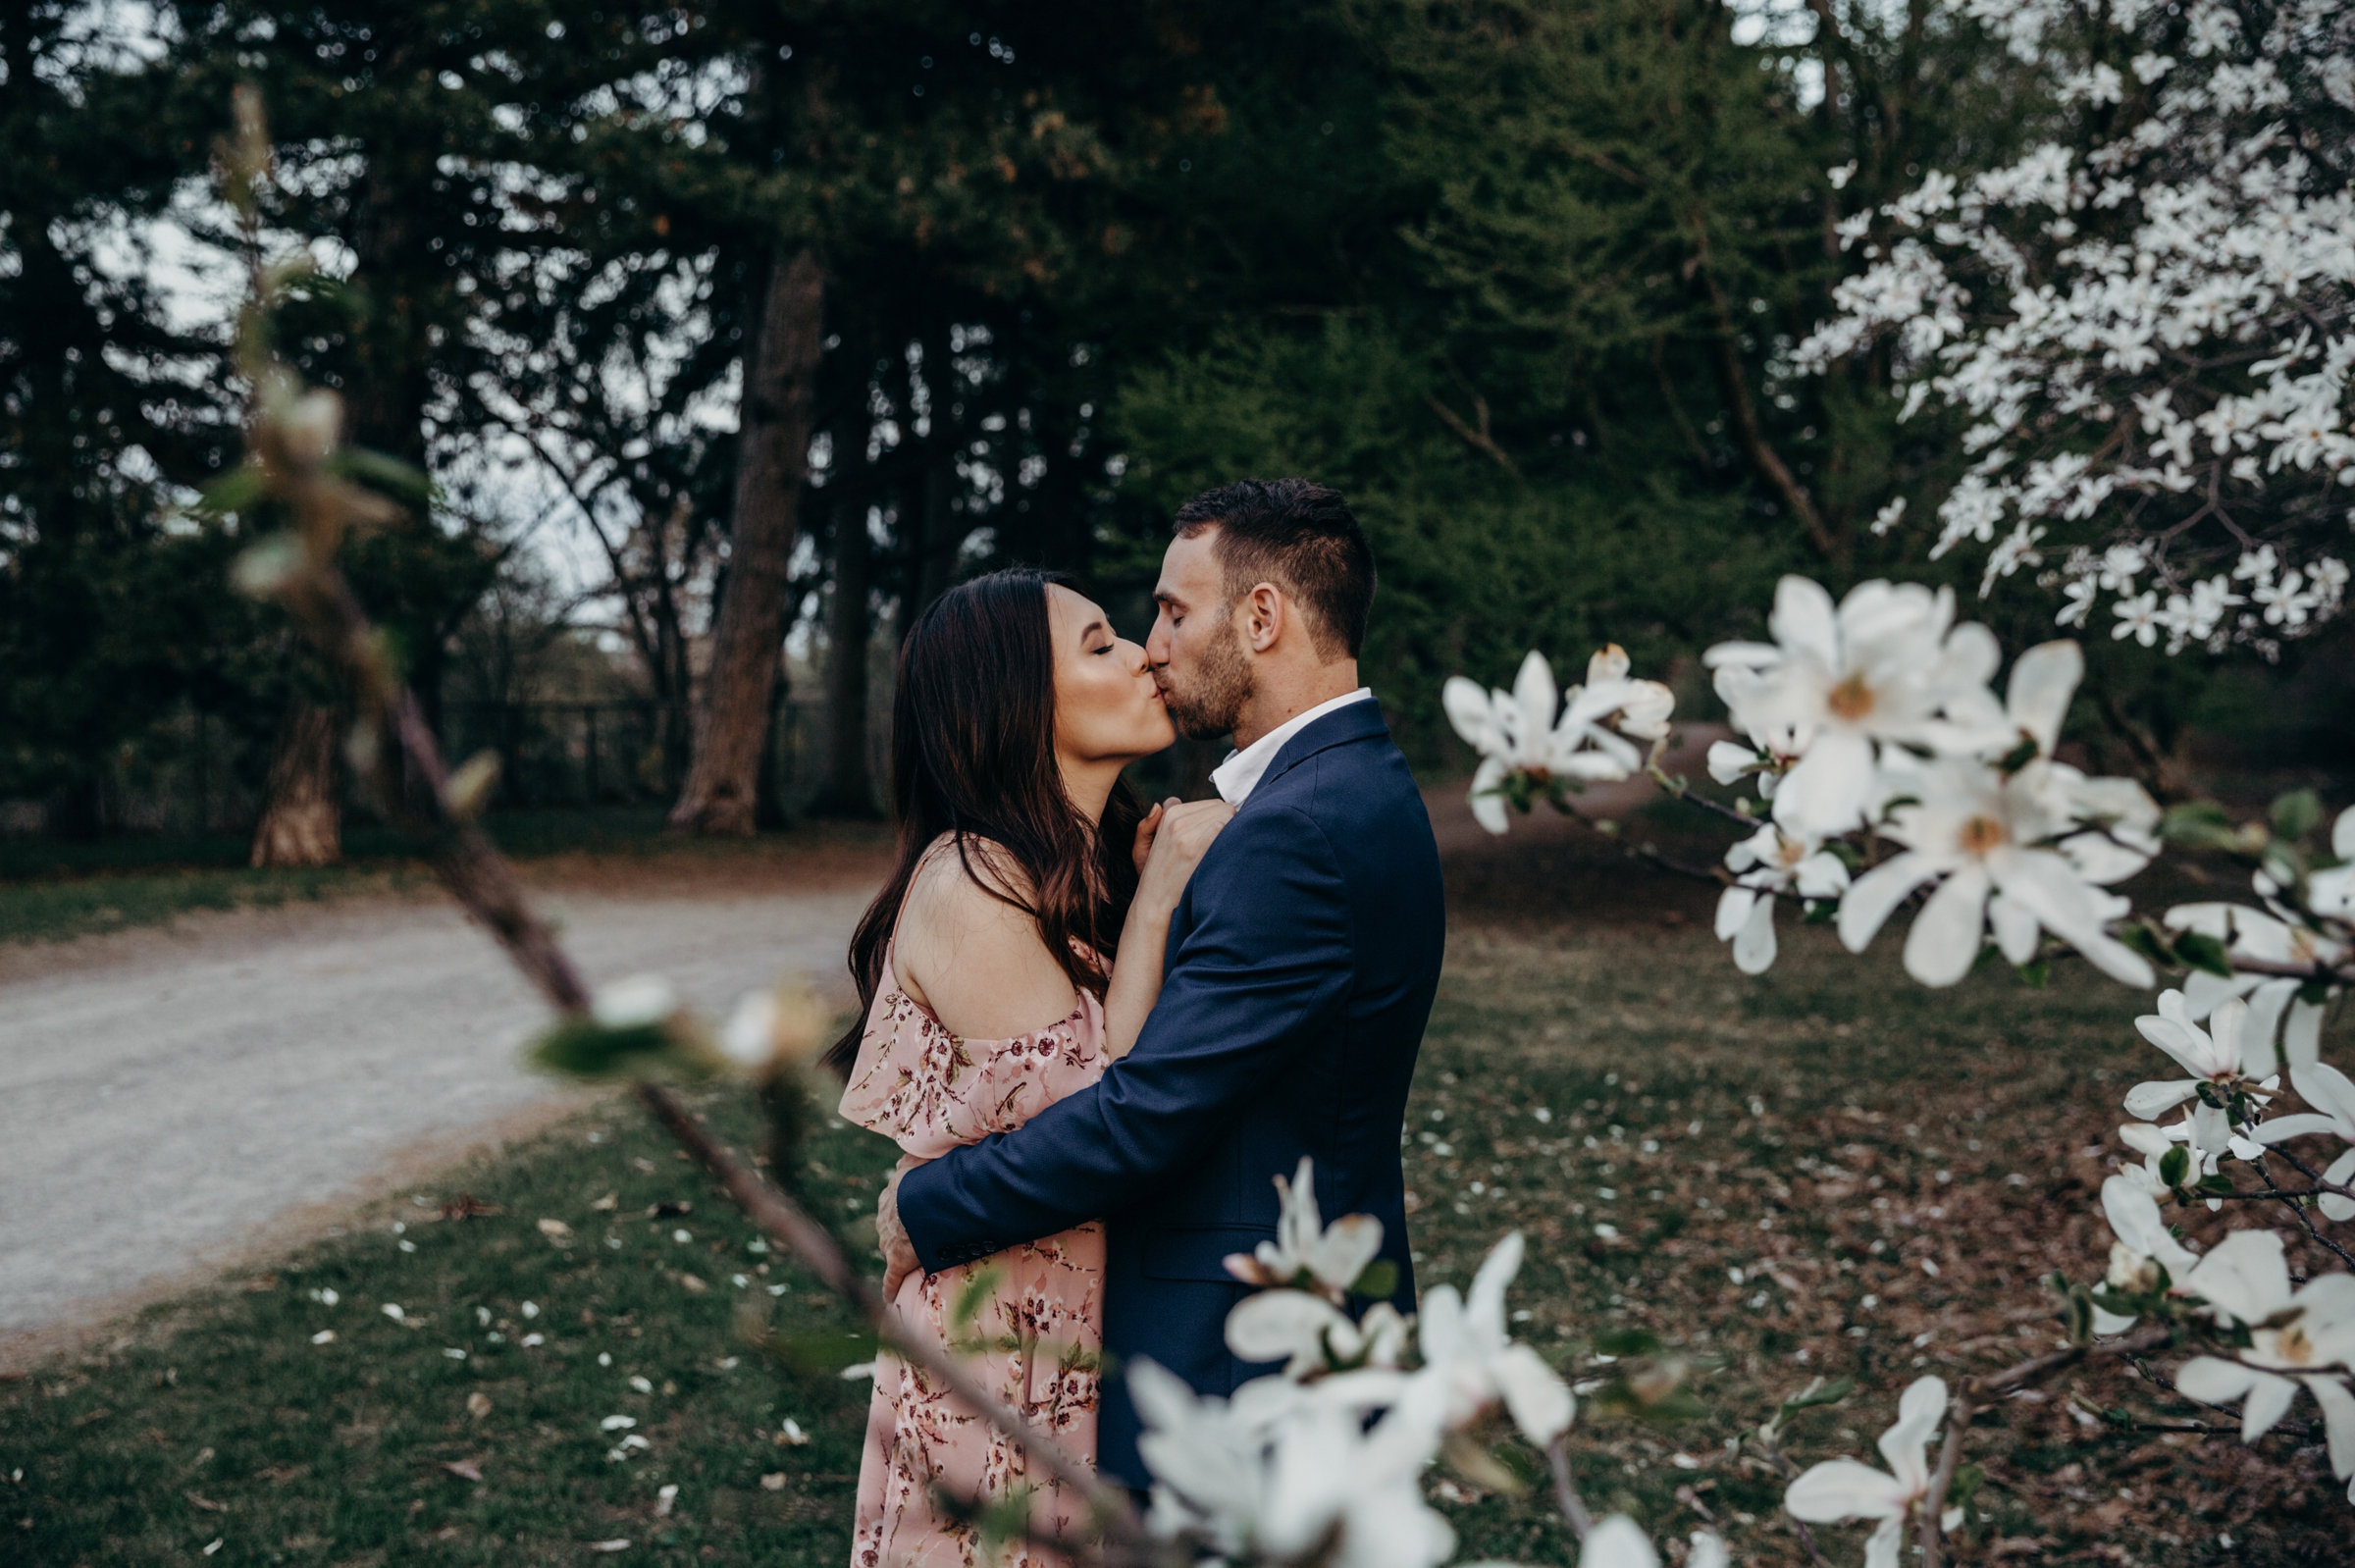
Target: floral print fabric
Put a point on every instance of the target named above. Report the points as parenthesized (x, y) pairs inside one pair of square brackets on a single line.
[(1033, 1335)]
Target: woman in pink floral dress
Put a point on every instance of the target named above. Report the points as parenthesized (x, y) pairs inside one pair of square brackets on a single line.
[(1024, 867)]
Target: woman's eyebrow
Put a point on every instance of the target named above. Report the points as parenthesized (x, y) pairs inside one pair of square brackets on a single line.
[(1091, 628)]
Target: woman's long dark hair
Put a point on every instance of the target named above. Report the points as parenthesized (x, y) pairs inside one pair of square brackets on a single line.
[(973, 753)]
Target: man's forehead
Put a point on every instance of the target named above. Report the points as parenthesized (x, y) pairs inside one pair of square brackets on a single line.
[(1189, 567)]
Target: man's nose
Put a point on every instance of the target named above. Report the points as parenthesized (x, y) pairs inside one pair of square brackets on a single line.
[(1157, 644)]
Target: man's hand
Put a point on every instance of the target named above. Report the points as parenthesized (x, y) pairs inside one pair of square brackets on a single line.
[(898, 1253)]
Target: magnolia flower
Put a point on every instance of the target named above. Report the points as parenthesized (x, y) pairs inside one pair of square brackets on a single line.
[(2332, 892), (2245, 1280), (1465, 1341), (2292, 1337), (1518, 731), (1305, 1252), (1310, 1335), (637, 1002), (1768, 862), (1730, 761), (2211, 1056), (2254, 934), (1847, 1489), (2204, 1140), (1618, 1542), (1280, 1476), (2143, 1248), (786, 1022), (2332, 1097), (1888, 666), (1985, 839)]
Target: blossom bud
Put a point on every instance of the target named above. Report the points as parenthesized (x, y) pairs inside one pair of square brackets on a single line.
[(310, 426), (2131, 1272), (469, 786), (267, 568), (635, 1002)]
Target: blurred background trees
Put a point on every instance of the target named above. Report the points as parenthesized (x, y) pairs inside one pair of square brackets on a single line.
[(707, 344)]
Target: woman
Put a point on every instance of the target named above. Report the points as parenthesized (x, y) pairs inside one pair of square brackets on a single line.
[(986, 969)]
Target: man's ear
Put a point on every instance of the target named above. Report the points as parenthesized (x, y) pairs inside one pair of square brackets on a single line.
[(1264, 614)]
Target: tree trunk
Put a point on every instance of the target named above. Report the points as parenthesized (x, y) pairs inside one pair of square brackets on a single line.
[(850, 789), (301, 823), (772, 459)]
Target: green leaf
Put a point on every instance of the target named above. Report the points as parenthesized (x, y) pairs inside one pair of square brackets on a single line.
[(2296, 814), (2143, 939), (1965, 1485), (978, 1289), (2020, 755), (1625, 1342), (2314, 993), (1819, 1393), (2199, 825), (2218, 1184), (237, 491), (1378, 1282), (584, 1048), (2037, 973), (2203, 952), (822, 1352), (2174, 1165)]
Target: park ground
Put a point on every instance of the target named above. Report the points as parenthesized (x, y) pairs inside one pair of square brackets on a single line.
[(1730, 1187)]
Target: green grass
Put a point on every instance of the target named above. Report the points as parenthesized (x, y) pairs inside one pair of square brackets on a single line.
[(1794, 1129)]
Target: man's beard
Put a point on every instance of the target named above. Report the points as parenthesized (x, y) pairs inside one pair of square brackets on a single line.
[(1208, 705)]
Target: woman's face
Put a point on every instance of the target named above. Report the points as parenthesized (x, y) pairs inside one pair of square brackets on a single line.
[(1108, 707)]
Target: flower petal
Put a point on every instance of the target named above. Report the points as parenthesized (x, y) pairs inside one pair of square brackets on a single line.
[(1946, 936), (2043, 681), (1876, 894), (1844, 1489)]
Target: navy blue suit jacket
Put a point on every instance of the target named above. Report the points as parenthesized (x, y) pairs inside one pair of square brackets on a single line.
[(1301, 966)]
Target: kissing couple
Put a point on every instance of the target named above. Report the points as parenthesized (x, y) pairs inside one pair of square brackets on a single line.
[(1099, 1034)]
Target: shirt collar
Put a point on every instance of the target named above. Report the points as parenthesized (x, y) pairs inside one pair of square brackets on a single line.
[(1236, 777)]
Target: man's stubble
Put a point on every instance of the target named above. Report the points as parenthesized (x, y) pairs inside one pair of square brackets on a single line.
[(1208, 704)]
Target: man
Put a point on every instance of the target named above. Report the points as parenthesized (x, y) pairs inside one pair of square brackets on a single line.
[(1300, 970)]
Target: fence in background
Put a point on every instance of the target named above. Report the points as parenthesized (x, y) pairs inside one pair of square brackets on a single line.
[(194, 775)]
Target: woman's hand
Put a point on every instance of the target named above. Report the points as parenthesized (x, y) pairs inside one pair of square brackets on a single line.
[(1170, 844)]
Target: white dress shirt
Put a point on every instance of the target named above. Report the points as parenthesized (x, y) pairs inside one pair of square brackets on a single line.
[(1236, 777)]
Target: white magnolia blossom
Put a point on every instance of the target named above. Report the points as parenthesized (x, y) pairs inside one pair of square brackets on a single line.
[(1887, 666), (1466, 1338), (2332, 893), (635, 1002), (2274, 1010), (2144, 1246), (1848, 1488), (2211, 1056), (2333, 1096), (1618, 1542), (1306, 1252), (2019, 852), (2148, 329), (2296, 1336), (1579, 736), (1767, 863), (1275, 1472), (1328, 1456)]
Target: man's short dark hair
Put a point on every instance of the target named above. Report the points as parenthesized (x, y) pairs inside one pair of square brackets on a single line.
[(1300, 536)]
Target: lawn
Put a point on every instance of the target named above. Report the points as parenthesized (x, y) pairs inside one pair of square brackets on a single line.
[(1827, 1171)]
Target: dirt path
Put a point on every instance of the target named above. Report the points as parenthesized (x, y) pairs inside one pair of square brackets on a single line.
[(168, 1098)]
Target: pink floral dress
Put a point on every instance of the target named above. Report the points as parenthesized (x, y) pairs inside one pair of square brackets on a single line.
[(1037, 1335)]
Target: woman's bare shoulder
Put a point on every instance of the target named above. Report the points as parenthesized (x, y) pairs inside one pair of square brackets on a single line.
[(972, 956)]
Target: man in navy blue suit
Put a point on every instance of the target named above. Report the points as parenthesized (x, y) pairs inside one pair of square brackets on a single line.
[(1301, 966)]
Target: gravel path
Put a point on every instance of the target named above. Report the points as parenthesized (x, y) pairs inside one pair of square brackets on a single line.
[(169, 1100)]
